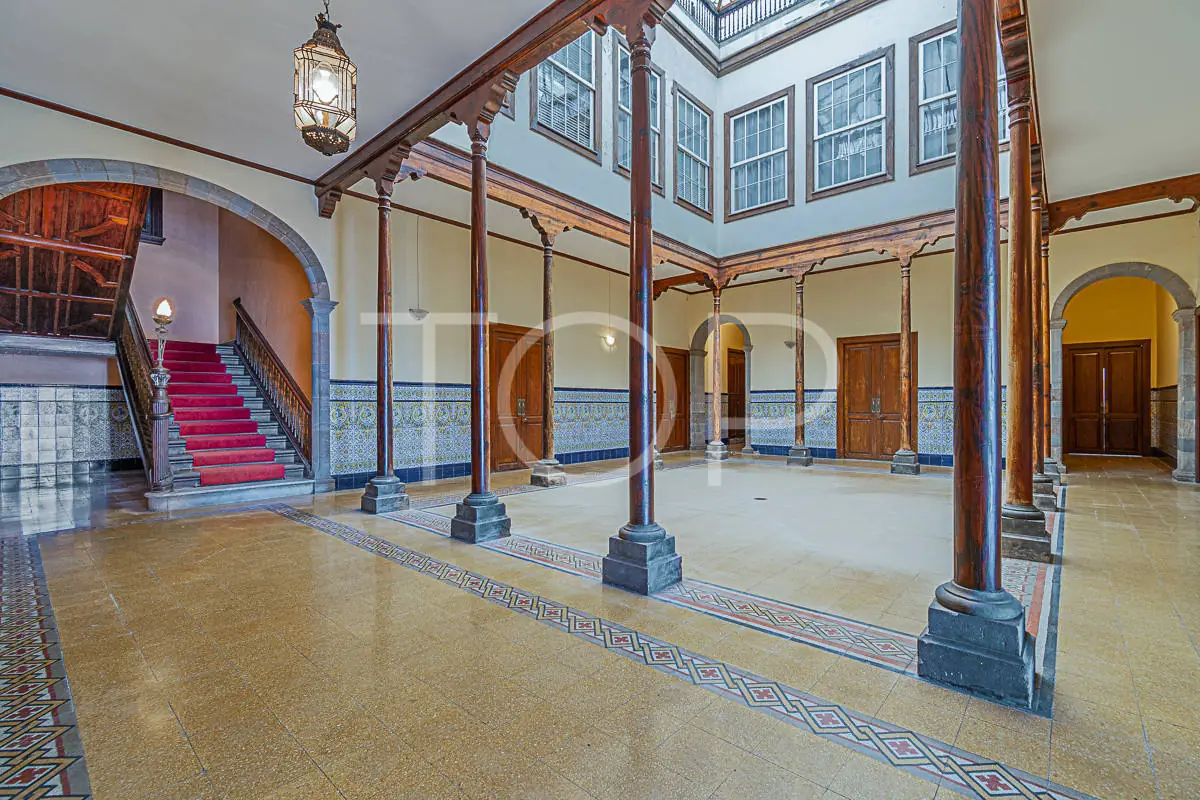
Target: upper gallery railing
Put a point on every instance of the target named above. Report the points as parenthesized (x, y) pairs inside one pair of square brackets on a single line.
[(737, 17), (291, 407), (148, 401)]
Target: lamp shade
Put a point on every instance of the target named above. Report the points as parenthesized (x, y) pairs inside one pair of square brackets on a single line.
[(326, 84), (163, 309)]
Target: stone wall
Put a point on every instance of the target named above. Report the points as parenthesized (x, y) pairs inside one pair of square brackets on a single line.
[(55, 435)]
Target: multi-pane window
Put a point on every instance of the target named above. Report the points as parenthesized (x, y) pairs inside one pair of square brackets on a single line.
[(693, 153), (758, 162), (937, 101), (566, 92), (851, 126), (625, 116)]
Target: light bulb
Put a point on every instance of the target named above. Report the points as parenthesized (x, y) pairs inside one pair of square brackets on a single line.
[(163, 309), (324, 85), (609, 339)]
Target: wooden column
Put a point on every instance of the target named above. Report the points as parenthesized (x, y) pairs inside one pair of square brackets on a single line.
[(1023, 524), (384, 492), (641, 557), (1039, 333), (976, 636), (547, 471), (717, 451), (1050, 466), (800, 455), (905, 462), (480, 517)]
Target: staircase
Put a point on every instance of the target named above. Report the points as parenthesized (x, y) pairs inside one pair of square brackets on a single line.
[(225, 444)]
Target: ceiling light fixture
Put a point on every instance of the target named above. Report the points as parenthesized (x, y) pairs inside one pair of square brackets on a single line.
[(418, 313), (326, 85)]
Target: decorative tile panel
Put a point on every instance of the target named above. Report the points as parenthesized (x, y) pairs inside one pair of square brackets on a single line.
[(432, 424), (50, 434)]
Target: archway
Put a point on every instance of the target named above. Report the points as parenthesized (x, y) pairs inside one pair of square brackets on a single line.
[(1185, 318), (28, 175), (699, 410)]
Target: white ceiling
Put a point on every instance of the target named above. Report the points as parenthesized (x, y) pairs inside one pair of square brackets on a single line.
[(219, 73), (1116, 83)]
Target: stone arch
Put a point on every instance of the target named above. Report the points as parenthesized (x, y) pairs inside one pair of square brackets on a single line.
[(31, 174), (1184, 316), (699, 411)]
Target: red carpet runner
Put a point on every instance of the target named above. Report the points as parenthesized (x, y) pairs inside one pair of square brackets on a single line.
[(225, 444)]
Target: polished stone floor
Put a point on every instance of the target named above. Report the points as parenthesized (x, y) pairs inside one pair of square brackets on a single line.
[(313, 651)]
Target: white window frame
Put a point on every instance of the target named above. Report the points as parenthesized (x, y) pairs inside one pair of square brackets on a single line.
[(880, 119), (589, 86), (682, 151), (922, 101), (783, 149), (657, 85)]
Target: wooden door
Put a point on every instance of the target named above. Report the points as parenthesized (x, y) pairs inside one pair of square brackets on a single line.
[(735, 405), (869, 400), (517, 414), (1106, 397), (673, 390)]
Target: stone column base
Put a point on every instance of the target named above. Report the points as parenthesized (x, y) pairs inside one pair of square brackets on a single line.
[(977, 641), (905, 462), (716, 451), (480, 518), (1184, 477), (383, 495), (640, 566), (800, 457), (1023, 533), (548, 472), (1045, 501), (658, 460)]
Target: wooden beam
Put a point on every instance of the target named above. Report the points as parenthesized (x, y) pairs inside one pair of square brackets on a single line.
[(1174, 189), (78, 248), (548, 32), (452, 166), (662, 284)]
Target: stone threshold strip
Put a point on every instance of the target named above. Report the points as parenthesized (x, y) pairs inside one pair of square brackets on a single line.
[(883, 647), (962, 772), (41, 755)]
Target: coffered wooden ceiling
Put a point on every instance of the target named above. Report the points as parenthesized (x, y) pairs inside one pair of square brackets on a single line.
[(66, 257), (219, 73)]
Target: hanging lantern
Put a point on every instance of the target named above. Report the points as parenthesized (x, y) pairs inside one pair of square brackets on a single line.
[(325, 90)]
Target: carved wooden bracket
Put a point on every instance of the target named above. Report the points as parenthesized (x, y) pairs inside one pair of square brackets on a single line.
[(904, 248), (629, 17), (548, 227), (800, 269), (387, 172), (1177, 190), (327, 201), (480, 107)]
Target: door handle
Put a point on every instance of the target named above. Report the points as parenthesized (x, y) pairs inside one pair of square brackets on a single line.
[(876, 405), (520, 406)]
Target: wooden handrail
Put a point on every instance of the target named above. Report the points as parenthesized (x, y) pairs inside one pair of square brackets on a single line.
[(149, 406), (285, 397)]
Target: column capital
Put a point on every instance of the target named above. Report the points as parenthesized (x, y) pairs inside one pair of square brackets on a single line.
[(319, 306), (1184, 315), (1057, 324)]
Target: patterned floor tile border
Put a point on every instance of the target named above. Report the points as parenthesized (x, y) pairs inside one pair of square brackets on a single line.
[(41, 755), (1028, 581), (964, 773)]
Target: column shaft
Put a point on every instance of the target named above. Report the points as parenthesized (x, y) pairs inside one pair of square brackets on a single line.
[(799, 455), (547, 347), (976, 637), (641, 557), (905, 462)]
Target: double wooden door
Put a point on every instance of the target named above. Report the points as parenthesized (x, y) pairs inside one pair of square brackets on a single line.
[(672, 375), (516, 394), (735, 403), (1106, 398), (869, 402)]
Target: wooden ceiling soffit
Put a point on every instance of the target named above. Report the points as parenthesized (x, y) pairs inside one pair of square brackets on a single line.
[(551, 30), (1176, 189), (901, 240), (452, 166), (66, 257)]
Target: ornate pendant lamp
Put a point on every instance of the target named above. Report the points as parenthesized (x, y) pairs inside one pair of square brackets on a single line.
[(326, 81)]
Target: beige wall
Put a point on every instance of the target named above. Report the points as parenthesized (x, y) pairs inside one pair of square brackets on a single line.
[(259, 269), (66, 370), (184, 269)]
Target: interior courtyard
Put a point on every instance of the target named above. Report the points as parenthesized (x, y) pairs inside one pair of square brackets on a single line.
[(599, 399)]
